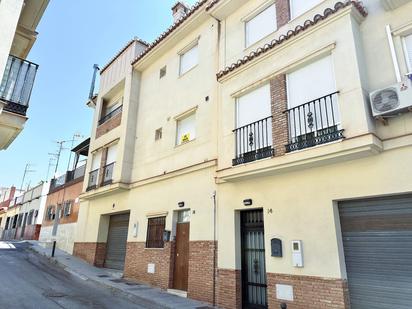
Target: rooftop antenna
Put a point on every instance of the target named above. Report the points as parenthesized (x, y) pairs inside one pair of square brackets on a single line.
[(91, 93), (51, 163), (26, 171), (76, 136)]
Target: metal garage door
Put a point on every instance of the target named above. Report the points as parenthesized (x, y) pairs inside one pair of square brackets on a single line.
[(377, 240), (117, 241)]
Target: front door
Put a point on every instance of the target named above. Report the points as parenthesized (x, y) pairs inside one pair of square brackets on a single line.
[(181, 267), (253, 260)]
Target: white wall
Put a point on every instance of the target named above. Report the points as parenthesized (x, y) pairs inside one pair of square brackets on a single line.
[(9, 16)]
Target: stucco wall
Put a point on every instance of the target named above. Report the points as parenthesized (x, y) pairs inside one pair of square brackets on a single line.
[(64, 238)]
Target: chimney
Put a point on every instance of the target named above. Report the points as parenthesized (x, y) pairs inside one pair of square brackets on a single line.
[(179, 10)]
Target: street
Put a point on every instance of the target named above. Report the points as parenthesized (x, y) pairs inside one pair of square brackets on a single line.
[(32, 282)]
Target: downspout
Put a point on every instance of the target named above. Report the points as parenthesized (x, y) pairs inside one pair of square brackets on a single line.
[(214, 193)]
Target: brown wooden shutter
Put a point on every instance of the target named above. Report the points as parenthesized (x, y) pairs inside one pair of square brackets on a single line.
[(155, 229)]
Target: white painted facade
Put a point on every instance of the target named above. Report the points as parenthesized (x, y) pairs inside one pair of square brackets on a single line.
[(64, 237)]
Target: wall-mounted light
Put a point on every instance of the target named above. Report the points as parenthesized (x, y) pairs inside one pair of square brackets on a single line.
[(247, 202), (181, 204)]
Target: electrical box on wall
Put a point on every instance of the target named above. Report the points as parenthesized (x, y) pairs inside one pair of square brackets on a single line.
[(297, 253), (276, 247)]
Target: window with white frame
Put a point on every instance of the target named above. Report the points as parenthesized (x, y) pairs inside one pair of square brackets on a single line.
[(111, 154), (408, 51), (189, 59), (261, 25), (94, 172), (253, 120), (298, 7), (186, 129), (313, 83)]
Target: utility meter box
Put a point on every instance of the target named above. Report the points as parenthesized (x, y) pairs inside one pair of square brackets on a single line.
[(297, 253)]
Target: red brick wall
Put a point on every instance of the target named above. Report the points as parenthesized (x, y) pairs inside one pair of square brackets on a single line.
[(91, 252), (201, 270), (229, 289), (282, 12), (310, 292), (279, 122), (109, 125), (137, 258)]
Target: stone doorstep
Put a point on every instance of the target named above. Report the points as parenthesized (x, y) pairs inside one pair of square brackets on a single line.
[(153, 294), (177, 292)]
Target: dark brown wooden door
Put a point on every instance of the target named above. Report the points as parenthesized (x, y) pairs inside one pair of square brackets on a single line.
[(181, 268)]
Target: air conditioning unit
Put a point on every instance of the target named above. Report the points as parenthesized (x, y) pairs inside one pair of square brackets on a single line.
[(391, 100)]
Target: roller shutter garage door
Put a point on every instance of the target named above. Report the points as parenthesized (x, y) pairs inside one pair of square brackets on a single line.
[(117, 242), (377, 241)]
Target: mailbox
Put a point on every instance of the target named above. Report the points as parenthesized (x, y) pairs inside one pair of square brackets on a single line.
[(166, 236), (276, 246)]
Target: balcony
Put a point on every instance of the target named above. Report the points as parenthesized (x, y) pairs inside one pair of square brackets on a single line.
[(253, 141), (314, 123), (111, 115), (93, 177), (17, 84), (67, 178), (108, 174)]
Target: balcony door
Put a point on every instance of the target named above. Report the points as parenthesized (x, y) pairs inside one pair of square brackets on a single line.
[(312, 100), (253, 131)]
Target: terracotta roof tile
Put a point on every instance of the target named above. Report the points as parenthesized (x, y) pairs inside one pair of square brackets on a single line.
[(172, 28), (291, 33), (212, 4)]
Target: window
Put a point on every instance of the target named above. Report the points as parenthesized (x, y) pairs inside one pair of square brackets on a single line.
[(408, 51), (67, 208), (110, 109), (189, 59), (155, 230), (50, 214), (111, 154), (183, 216), (298, 7), (261, 25), (186, 129), (162, 72), (158, 134)]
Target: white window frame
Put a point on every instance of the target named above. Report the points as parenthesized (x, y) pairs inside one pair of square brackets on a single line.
[(252, 16), (293, 16), (405, 51), (183, 117), (184, 52)]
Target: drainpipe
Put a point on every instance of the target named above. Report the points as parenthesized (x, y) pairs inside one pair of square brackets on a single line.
[(214, 246)]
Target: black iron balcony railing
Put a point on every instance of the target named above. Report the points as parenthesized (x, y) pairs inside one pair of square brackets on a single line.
[(314, 123), (17, 84), (93, 175), (110, 115), (108, 174), (253, 141)]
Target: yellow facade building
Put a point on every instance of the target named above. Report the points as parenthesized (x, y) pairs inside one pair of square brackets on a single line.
[(256, 155)]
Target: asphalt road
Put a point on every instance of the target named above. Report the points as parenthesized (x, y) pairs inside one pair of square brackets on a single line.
[(29, 281)]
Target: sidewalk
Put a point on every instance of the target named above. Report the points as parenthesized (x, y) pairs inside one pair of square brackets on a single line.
[(139, 293)]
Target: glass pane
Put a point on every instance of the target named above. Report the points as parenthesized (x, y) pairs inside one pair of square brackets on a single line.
[(183, 216)]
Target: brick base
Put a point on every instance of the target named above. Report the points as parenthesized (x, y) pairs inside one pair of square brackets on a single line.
[(229, 289), (137, 258), (309, 292), (93, 253), (201, 270)]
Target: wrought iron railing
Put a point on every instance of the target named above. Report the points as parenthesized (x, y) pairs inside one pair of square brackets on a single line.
[(93, 175), (111, 115), (314, 123), (253, 141), (17, 84), (108, 174)]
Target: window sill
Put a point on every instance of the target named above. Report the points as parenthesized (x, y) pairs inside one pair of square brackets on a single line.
[(157, 249)]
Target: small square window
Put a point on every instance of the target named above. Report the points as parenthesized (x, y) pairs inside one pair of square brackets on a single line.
[(189, 59), (162, 72), (158, 134)]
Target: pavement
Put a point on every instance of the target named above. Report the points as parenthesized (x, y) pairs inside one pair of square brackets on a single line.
[(103, 287)]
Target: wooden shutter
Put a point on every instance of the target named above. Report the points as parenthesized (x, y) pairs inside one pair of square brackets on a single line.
[(155, 229)]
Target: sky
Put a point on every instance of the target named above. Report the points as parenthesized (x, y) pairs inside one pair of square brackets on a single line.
[(73, 35)]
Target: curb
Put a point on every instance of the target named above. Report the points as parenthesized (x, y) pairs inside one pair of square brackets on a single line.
[(118, 291)]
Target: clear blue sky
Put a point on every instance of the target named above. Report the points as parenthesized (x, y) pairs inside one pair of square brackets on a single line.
[(73, 35)]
